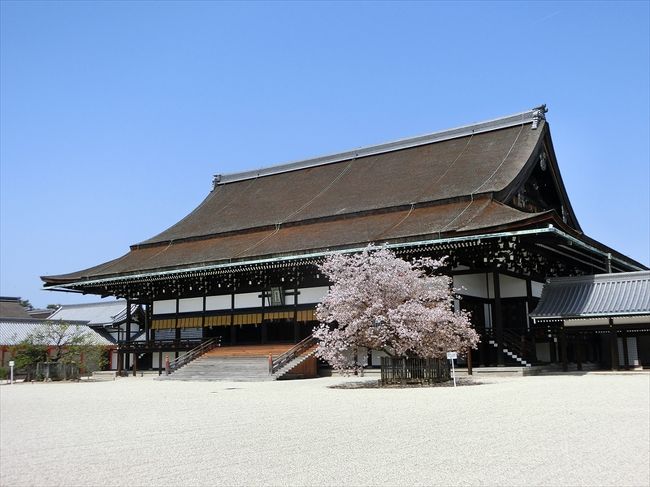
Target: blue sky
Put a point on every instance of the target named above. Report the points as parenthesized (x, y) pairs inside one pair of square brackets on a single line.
[(115, 115)]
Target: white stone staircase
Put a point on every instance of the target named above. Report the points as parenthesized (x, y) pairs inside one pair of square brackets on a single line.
[(509, 353)]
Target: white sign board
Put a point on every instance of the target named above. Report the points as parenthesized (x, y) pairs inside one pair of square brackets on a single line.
[(452, 356)]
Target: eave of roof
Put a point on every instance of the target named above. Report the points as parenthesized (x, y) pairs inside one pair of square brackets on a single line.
[(393, 228), (226, 266)]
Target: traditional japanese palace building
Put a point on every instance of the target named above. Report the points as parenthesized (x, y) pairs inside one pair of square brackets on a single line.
[(243, 265)]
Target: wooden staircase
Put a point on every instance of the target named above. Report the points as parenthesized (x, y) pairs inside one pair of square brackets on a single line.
[(244, 363)]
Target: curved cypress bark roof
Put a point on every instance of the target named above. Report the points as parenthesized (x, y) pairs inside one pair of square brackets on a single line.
[(449, 183), (473, 164)]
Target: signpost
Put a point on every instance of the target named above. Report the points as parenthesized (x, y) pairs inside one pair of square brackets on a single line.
[(11, 371), (452, 356)]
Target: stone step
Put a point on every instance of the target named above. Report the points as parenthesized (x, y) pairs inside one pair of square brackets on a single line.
[(206, 368)]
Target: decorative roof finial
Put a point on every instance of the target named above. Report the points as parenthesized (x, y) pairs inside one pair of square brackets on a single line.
[(538, 114), (216, 180)]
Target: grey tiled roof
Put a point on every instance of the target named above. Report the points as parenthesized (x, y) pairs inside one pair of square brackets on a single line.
[(14, 330), (600, 295), (95, 314)]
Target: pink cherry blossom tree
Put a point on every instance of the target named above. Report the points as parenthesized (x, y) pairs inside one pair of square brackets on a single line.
[(379, 301)]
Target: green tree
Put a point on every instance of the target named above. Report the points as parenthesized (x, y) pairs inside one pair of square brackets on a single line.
[(71, 344), (26, 354), (66, 344)]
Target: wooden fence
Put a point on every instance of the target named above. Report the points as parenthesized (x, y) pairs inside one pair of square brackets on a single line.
[(414, 370), (56, 371)]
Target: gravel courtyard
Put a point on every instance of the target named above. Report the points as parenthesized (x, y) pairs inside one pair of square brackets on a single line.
[(550, 430)]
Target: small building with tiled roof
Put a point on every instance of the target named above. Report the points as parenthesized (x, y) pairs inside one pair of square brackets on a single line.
[(242, 267), (15, 330), (611, 309), (106, 317)]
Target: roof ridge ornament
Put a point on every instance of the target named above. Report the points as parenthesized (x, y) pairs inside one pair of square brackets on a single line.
[(538, 115), (216, 179)]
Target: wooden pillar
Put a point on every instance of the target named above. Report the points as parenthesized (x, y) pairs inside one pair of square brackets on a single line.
[(233, 330), (135, 364), (296, 326), (626, 356), (264, 331), (579, 351), (264, 327), (203, 318), (497, 321), (484, 346), (613, 345), (177, 330), (563, 354), (119, 362), (552, 352), (531, 324), (127, 356)]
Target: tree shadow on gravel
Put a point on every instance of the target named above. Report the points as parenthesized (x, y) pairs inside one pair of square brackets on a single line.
[(460, 382)]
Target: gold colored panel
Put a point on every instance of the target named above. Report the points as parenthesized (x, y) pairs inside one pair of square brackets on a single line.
[(306, 315), (221, 320), (163, 324)]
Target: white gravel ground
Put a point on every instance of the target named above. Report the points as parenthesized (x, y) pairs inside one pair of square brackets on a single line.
[(551, 430)]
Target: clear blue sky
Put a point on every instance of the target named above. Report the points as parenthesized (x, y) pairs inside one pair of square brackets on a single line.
[(115, 115)]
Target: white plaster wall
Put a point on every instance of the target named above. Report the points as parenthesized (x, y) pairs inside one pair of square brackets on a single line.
[(155, 359), (588, 322), (489, 278), (632, 352), (487, 313), (376, 357), (165, 306), (248, 300), (218, 302), (362, 355), (312, 294), (536, 288), (114, 360), (512, 287), (190, 304), (632, 320), (471, 285)]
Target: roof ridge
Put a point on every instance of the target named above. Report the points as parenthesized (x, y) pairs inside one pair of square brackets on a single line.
[(80, 305), (534, 116), (605, 277)]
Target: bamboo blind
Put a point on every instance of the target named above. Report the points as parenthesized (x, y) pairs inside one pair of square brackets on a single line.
[(221, 320), (226, 320)]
